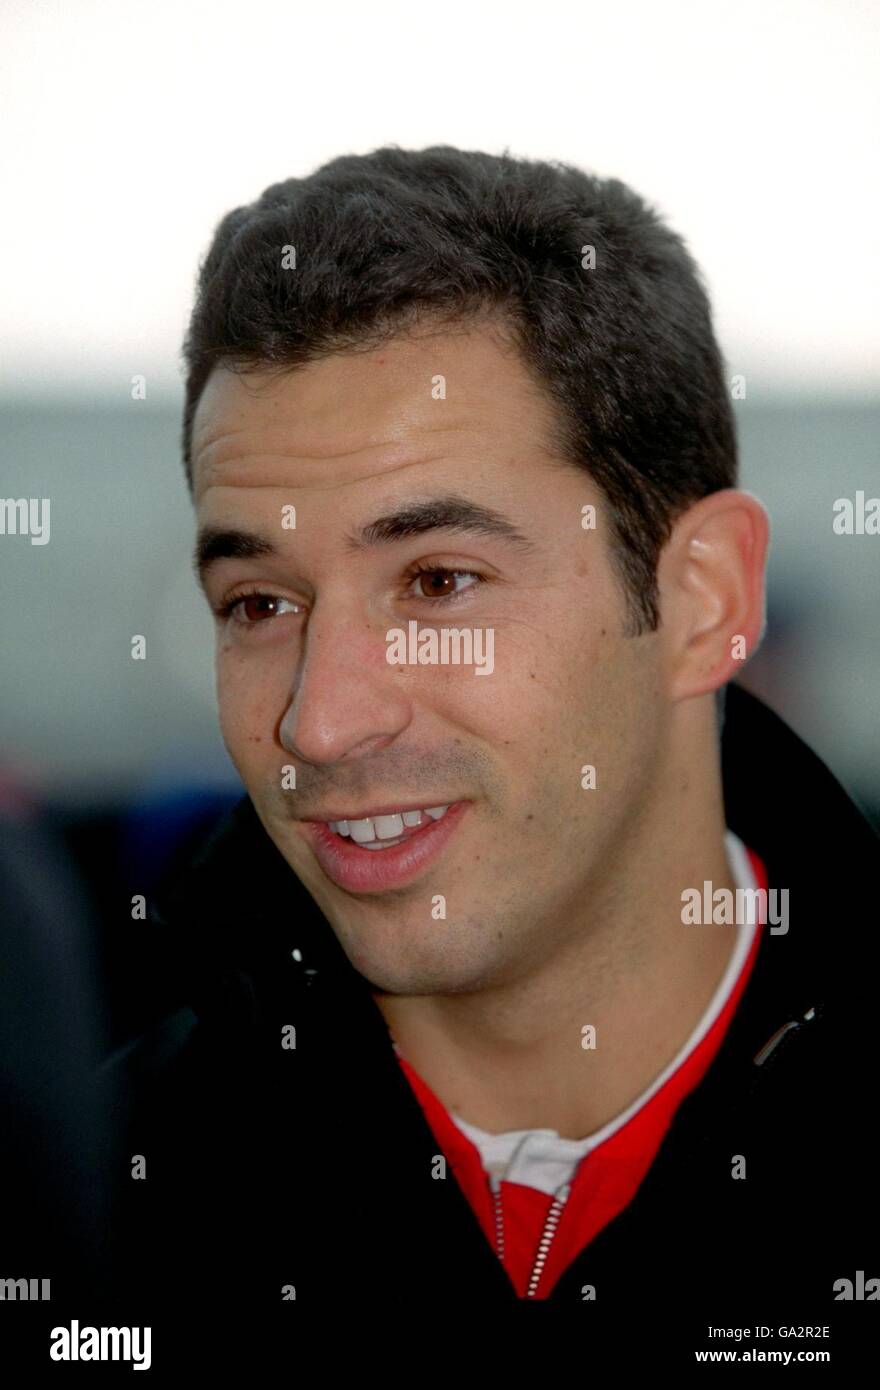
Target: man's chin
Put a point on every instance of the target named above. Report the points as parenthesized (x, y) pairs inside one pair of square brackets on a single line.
[(405, 958)]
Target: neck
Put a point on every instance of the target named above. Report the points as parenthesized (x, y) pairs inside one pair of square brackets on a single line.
[(511, 1057)]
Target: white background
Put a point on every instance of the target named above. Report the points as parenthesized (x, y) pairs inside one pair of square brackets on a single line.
[(131, 126)]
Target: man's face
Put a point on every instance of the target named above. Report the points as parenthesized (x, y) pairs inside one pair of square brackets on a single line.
[(519, 862)]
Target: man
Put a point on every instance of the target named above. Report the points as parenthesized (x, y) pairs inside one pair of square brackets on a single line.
[(510, 979)]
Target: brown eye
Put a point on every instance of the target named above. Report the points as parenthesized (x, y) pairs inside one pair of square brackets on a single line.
[(256, 606), (249, 610), (441, 585), (437, 583)]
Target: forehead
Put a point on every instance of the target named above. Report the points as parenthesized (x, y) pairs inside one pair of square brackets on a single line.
[(462, 391)]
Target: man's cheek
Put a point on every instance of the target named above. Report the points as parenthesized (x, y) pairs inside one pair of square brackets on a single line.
[(247, 715)]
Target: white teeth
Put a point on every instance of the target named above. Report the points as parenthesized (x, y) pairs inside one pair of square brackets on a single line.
[(375, 832), (388, 827), (361, 830)]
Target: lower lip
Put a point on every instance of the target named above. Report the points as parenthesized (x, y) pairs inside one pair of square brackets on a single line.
[(376, 871)]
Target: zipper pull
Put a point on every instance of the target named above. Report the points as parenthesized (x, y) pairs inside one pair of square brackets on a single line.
[(770, 1046)]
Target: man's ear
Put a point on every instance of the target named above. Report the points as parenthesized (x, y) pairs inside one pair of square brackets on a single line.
[(711, 577)]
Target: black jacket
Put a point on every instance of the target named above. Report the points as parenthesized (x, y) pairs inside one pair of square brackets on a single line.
[(311, 1168)]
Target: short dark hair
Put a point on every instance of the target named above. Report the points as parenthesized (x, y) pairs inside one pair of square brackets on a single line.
[(388, 240)]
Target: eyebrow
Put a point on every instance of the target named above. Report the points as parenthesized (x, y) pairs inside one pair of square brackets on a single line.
[(449, 513), (228, 543)]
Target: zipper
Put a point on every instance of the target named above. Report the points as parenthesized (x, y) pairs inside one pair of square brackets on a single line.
[(551, 1224), (771, 1045)]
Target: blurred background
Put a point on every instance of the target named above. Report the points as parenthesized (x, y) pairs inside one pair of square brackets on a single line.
[(131, 128)]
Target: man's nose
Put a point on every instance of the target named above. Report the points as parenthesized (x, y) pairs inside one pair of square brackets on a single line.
[(346, 698)]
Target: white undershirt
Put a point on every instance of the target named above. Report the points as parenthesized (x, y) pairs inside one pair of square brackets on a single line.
[(540, 1157)]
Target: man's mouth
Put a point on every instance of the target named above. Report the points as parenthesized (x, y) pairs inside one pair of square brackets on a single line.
[(405, 840), (384, 831)]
